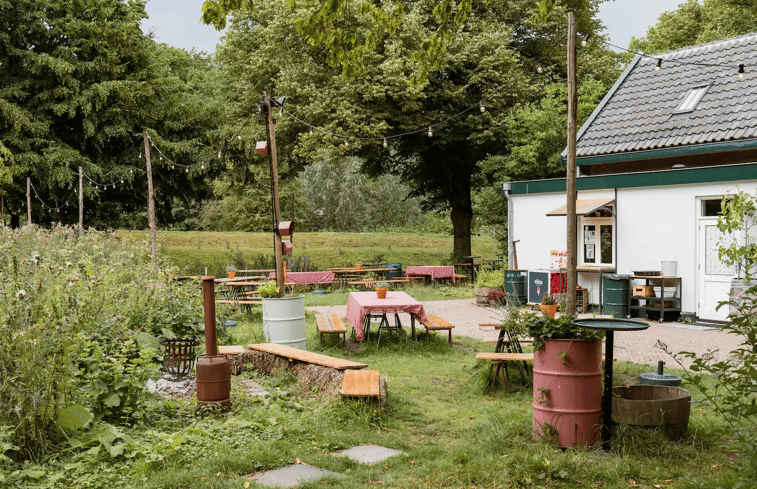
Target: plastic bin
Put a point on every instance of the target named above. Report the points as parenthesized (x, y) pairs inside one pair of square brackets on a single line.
[(615, 295), (395, 273)]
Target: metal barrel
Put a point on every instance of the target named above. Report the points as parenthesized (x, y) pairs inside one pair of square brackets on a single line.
[(284, 321), (615, 297), (567, 400), (515, 286)]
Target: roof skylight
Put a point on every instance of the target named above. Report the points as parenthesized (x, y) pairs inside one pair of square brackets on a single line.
[(692, 99)]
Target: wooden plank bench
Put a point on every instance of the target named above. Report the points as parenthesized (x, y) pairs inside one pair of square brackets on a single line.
[(294, 354), (370, 283), (435, 323), (499, 360), (360, 383), (331, 324)]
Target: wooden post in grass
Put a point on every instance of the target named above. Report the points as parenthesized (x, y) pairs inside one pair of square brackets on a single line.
[(151, 206), (572, 228), (28, 201), (274, 193), (81, 200)]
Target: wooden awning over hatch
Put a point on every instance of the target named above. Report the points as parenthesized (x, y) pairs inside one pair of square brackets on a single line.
[(583, 207)]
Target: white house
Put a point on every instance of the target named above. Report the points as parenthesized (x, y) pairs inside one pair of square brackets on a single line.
[(654, 159)]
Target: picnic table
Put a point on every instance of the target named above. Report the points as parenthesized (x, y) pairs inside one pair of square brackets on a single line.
[(309, 278), (362, 305), (432, 271)]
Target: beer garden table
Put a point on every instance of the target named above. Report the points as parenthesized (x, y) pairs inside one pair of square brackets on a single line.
[(362, 305)]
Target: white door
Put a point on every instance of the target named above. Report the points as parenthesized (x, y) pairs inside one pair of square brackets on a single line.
[(714, 277)]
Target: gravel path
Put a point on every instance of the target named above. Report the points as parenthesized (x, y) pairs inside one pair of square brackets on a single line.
[(636, 346)]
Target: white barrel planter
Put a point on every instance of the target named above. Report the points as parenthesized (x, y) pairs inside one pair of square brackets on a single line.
[(284, 321)]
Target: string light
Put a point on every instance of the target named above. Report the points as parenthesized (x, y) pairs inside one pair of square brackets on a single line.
[(483, 109), (385, 142), (741, 72), (539, 68), (219, 155), (430, 132), (239, 136), (659, 65), (346, 143)]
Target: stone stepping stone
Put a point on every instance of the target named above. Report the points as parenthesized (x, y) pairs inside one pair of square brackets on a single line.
[(369, 454), (291, 475)]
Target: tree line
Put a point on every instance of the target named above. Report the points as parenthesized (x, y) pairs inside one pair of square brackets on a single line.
[(80, 81)]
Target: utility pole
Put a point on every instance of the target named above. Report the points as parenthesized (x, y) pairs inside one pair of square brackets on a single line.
[(81, 200), (151, 207), (570, 184), (28, 201), (271, 130)]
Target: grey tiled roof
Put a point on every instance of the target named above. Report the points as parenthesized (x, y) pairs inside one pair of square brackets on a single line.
[(639, 113)]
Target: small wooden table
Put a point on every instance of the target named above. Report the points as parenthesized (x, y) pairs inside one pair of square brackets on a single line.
[(361, 306)]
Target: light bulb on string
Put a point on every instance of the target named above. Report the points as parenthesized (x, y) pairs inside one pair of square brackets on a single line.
[(239, 136), (741, 72), (539, 68), (219, 155), (311, 129), (173, 167), (385, 145), (346, 143), (659, 65), (430, 132), (187, 169), (202, 167), (482, 108)]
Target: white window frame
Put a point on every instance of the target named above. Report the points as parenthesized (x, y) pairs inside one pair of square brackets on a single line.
[(597, 222)]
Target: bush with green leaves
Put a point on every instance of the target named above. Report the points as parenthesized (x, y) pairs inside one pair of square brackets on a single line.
[(490, 277), (68, 301), (559, 328)]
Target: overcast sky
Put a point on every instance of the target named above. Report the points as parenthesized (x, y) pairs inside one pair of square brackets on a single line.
[(177, 22)]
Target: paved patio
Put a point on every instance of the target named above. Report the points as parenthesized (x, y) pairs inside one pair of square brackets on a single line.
[(636, 347)]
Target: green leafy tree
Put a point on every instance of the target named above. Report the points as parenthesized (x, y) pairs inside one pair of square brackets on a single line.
[(79, 83), (695, 22), (491, 59)]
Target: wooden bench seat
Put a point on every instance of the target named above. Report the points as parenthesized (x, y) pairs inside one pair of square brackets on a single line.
[(297, 355), (360, 383), (331, 324), (242, 302), (499, 360), (435, 323)]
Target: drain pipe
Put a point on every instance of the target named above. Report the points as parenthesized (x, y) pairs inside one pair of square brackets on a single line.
[(506, 189), (213, 371)]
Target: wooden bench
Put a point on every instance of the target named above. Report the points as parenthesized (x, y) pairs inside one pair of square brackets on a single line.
[(296, 355), (435, 323), (499, 360), (360, 383), (370, 283), (331, 324)]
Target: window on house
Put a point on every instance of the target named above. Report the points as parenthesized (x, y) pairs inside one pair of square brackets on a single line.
[(711, 207), (692, 99), (596, 240)]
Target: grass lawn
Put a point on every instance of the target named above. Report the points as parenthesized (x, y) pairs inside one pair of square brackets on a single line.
[(192, 252), (457, 432)]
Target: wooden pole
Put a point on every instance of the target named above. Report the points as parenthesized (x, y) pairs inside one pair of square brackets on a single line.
[(81, 200), (28, 201), (572, 227), (151, 207), (274, 194)]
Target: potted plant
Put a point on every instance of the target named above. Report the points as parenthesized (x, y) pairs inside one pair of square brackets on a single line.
[(487, 280), (231, 271), (283, 317), (567, 395), (738, 246), (549, 305), (381, 289)]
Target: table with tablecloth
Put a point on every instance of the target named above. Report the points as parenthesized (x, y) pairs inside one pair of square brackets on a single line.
[(361, 304), (307, 277), (432, 271)]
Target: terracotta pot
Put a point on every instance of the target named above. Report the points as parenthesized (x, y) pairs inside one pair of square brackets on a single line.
[(381, 292), (231, 274), (549, 309)]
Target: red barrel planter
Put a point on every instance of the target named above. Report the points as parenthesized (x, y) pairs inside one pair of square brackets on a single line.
[(568, 391)]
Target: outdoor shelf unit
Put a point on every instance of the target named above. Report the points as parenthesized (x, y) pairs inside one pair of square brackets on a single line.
[(643, 304)]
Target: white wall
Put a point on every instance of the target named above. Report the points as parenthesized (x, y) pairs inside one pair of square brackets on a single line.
[(654, 224)]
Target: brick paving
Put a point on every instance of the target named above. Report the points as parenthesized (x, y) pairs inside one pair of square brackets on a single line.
[(636, 346)]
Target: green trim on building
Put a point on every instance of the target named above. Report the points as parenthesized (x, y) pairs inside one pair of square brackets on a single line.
[(710, 174), (671, 152)]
